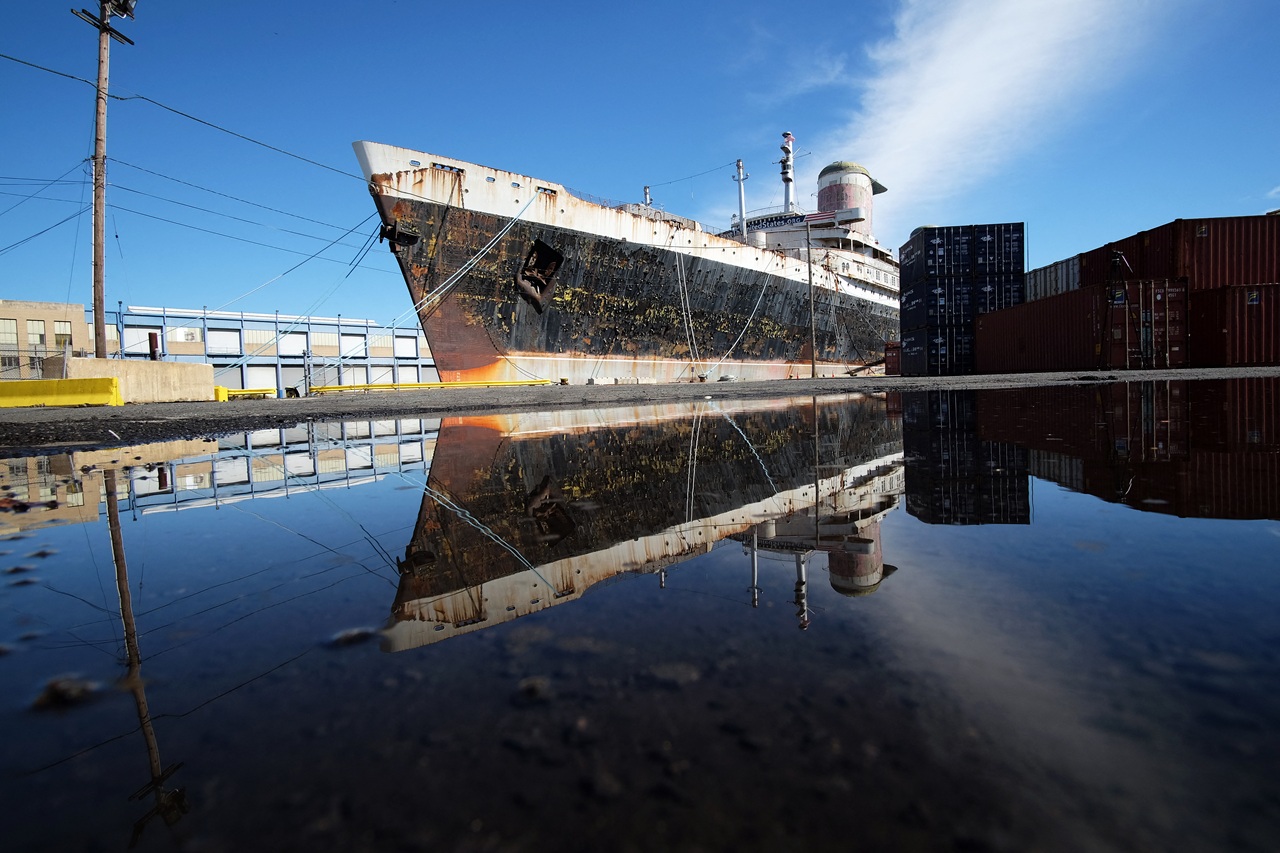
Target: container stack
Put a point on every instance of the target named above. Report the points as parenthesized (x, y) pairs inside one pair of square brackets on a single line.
[(950, 276), (1190, 293)]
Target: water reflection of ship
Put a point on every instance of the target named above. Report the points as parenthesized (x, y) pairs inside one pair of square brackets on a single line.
[(522, 513)]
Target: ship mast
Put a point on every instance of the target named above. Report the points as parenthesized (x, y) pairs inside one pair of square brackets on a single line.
[(741, 178)]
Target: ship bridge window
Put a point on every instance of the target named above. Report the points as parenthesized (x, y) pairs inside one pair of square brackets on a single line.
[(491, 179), (545, 191), (515, 184), (415, 163), (445, 167)]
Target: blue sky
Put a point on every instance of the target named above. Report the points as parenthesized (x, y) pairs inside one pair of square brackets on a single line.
[(1087, 119)]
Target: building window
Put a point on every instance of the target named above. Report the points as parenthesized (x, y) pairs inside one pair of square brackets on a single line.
[(35, 333), (62, 333), (9, 333)]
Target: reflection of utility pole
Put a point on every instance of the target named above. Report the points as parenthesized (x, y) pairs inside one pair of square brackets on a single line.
[(171, 805), (755, 567), (106, 8)]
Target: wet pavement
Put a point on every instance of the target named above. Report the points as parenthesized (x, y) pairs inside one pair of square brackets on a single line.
[(956, 619)]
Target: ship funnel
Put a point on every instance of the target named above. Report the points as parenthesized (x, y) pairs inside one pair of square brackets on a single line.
[(788, 175)]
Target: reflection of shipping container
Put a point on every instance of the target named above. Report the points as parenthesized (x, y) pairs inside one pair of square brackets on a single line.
[(1243, 414), (1208, 253), (1236, 326)]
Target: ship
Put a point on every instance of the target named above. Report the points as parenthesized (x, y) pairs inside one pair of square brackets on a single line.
[(515, 278), (526, 512)]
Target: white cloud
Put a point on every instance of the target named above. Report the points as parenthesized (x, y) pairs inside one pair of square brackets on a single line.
[(964, 86), (1275, 193)]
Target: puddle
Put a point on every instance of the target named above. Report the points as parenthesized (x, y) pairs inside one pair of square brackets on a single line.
[(1001, 620)]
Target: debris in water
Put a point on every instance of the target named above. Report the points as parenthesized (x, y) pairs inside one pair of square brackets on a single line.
[(65, 691), (351, 637)]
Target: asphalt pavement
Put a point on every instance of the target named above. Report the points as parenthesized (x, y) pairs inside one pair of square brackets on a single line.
[(45, 429)]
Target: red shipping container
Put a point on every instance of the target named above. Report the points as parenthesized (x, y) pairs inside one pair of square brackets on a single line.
[(1208, 253), (1146, 325), (1236, 326), (893, 358), (1057, 333)]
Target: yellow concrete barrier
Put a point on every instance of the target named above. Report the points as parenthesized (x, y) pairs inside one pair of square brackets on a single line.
[(250, 392), (102, 391)]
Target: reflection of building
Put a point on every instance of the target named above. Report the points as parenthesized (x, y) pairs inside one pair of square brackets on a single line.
[(953, 476), (168, 476), (521, 514), (1194, 449)]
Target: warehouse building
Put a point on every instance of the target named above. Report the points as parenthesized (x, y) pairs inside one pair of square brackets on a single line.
[(272, 351)]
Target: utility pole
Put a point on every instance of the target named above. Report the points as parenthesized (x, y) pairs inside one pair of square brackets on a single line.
[(102, 22)]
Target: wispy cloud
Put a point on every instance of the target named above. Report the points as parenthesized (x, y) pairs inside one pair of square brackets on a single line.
[(963, 87), (1275, 193)]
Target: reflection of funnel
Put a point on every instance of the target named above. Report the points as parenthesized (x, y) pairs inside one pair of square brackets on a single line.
[(857, 565)]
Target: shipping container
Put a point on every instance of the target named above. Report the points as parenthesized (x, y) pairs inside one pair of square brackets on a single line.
[(999, 248), (938, 350), (1145, 325), (1236, 326), (893, 358), (960, 250), (1051, 280), (937, 300), (1053, 334), (998, 291), (1208, 253)]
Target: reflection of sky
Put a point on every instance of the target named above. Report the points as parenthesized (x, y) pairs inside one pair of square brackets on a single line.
[(1110, 662), (1134, 652)]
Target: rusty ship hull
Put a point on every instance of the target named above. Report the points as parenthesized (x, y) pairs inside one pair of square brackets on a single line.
[(515, 278)]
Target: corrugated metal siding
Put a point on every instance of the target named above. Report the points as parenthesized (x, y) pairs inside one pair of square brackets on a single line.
[(1056, 333), (1209, 253), (1058, 277), (938, 351), (1236, 326), (1231, 250), (1146, 325)]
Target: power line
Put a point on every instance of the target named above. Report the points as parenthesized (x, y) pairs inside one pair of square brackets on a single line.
[(187, 116)]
